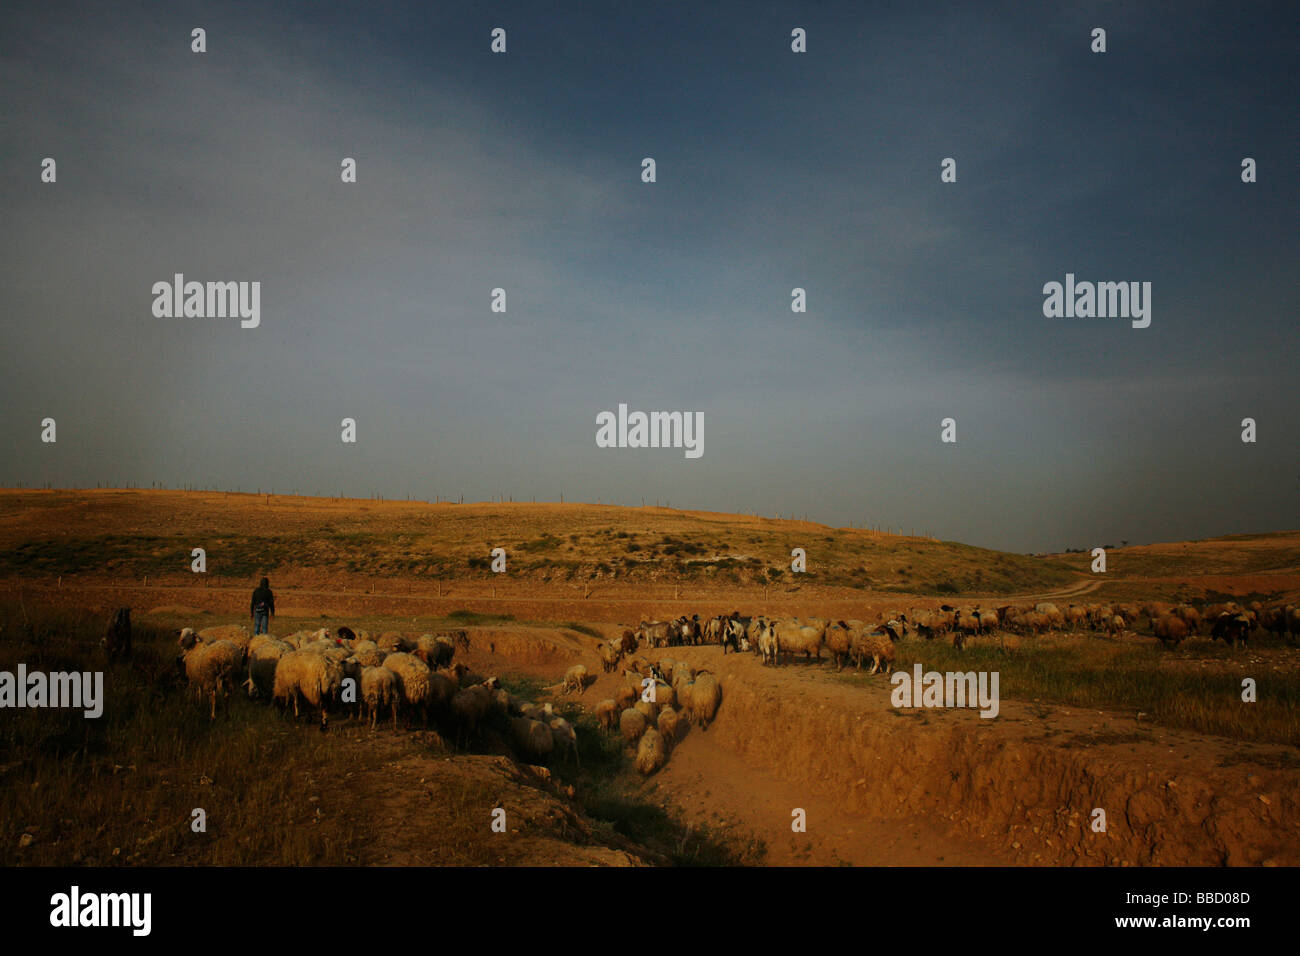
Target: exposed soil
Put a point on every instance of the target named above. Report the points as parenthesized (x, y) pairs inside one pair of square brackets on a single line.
[(881, 786), (432, 810)]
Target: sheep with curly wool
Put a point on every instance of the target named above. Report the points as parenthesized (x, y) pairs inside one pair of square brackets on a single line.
[(262, 660), (379, 692), (210, 669), (305, 677), (706, 697), (413, 682)]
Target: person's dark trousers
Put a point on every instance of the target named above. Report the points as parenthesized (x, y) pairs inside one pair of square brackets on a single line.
[(259, 622)]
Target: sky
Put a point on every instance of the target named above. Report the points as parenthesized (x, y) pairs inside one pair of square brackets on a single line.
[(774, 170)]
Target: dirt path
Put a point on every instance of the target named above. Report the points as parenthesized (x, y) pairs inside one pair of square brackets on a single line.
[(707, 784), (1082, 587)]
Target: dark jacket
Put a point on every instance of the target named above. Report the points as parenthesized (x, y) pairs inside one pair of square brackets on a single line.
[(265, 596)]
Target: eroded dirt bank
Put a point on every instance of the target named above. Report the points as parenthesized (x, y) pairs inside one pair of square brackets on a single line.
[(1025, 783), (946, 786)]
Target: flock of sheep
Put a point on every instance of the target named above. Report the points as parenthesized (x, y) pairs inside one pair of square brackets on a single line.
[(312, 669), (347, 671), (860, 641), (392, 673), (326, 671), (656, 702), (1169, 623)]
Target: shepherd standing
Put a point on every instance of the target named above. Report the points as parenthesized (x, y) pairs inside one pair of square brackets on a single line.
[(263, 607)]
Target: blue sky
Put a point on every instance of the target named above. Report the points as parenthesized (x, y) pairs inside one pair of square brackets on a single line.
[(775, 170)]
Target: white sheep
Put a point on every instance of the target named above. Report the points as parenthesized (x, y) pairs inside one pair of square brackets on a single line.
[(669, 723), (566, 738), (575, 678), (368, 653), (262, 660), (413, 681), (210, 668), (236, 634), (632, 724), (706, 696), (303, 675), (651, 752), (379, 690)]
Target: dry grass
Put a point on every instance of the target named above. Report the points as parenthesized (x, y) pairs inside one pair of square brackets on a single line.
[(121, 789), (97, 535), (1196, 687), (1241, 567)]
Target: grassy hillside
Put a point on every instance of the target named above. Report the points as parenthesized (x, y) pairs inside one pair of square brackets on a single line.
[(1239, 567), (133, 533)]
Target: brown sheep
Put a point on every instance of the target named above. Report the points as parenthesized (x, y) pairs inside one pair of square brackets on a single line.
[(531, 739), (469, 707), (1169, 629), (117, 636), (870, 643), (839, 637), (1191, 617), (434, 651), (609, 656)]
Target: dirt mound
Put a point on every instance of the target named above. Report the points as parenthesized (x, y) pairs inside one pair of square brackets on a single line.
[(417, 797), (529, 646)]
